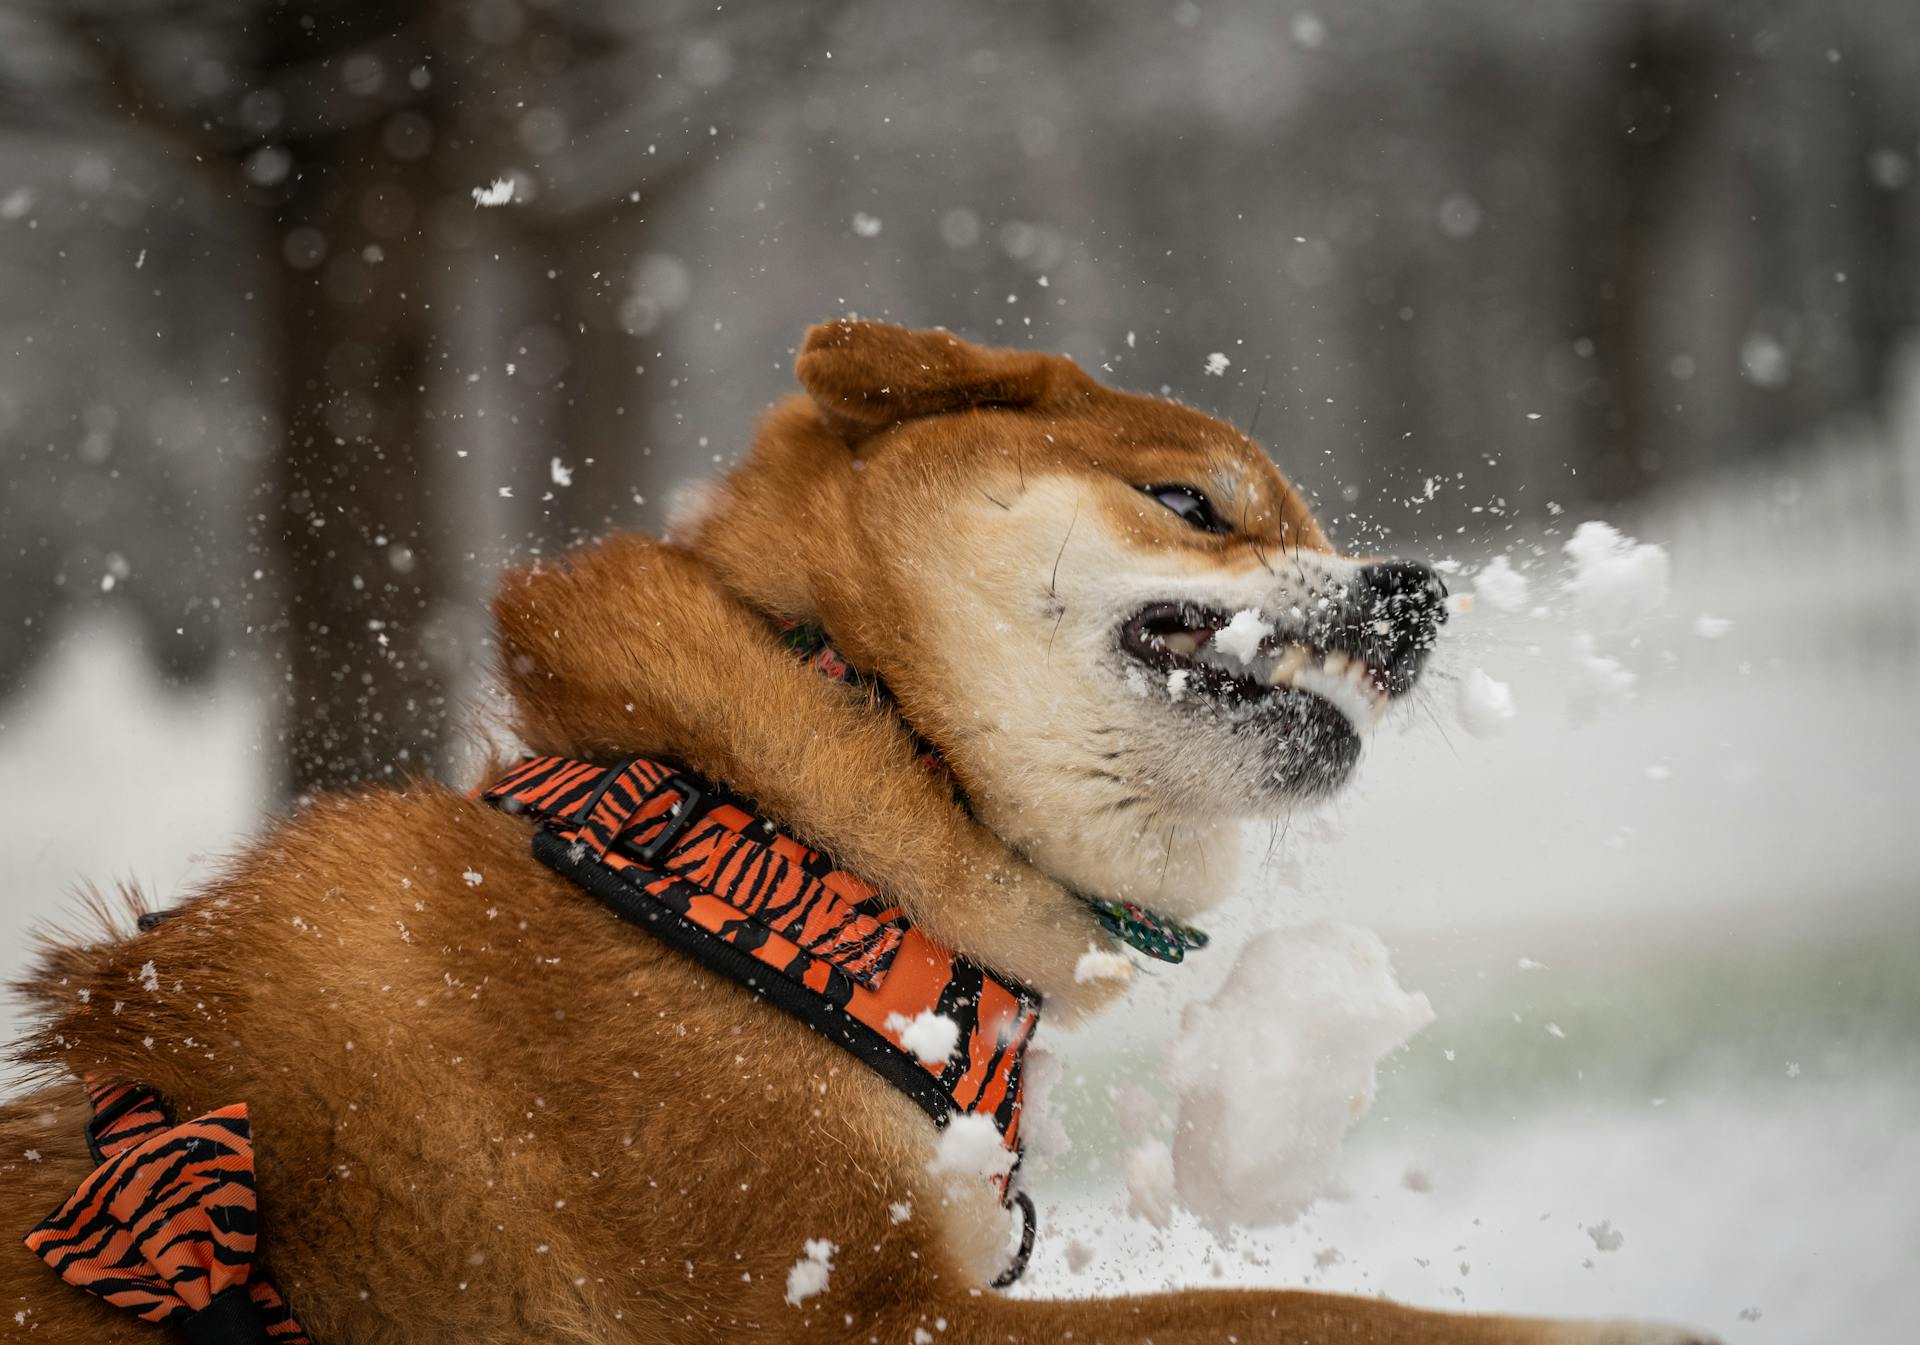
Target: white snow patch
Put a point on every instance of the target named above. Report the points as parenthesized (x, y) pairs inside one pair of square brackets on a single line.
[(1709, 627), (1616, 580), (689, 509), (149, 978), (472, 876), (1272, 1071), (1600, 683), (1042, 1132), (1500, 586), (1098, 964), (930, 1036), (899, 1211), (809, 1275), (867, 226), (1240, 638), (1135, 1108), (497, 192), (1485, 705), (1177, 681), (970, 1147), (1218, 364), (1150, 1183), (561, 473)]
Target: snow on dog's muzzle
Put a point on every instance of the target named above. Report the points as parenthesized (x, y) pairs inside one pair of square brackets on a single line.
[(1357, 644)]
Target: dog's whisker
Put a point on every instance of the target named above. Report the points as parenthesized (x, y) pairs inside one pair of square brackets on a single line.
[(1053, 580), (1253, 424), (1425, 704)]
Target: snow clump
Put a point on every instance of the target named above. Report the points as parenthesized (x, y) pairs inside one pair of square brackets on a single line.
[(1271, 1072), (1616, 580), (1485, 705), (811, 1272), (1150, 1183), (1240, 638), (1601, 683), (1500, 586), (930, 1036), (1042, 1133), (970, 1146)]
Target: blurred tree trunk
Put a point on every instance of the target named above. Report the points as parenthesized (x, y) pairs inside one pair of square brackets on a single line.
[(359, 560), (1670, 65), (350, 523), (603, 421)]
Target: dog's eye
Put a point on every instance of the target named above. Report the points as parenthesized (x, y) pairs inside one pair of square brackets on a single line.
[(1190, 504)]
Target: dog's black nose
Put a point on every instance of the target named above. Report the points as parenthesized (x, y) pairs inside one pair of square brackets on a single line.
[(1403, 603)]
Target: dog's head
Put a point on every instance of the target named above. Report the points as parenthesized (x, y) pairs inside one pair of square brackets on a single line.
[(1112, 612)]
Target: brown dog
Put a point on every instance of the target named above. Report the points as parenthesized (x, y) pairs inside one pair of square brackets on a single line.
[(485, 1111)]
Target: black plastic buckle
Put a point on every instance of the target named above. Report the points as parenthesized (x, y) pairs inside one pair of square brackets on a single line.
[(685, 813), (582, 813)]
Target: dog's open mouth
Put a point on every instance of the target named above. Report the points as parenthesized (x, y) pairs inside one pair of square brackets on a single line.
[(1207, 653)]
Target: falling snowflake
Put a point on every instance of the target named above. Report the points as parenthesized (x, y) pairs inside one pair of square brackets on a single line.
[(1605, 1236), (497, 192)]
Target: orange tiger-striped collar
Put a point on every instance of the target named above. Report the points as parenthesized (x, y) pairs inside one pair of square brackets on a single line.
[(693, 864)]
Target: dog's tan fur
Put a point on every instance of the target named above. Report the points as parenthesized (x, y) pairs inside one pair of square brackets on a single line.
[(488, 1112)]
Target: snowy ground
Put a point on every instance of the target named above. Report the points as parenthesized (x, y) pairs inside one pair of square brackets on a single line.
[(1712, 1049)]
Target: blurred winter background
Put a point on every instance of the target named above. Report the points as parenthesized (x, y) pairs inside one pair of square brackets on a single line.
[(279, 393)]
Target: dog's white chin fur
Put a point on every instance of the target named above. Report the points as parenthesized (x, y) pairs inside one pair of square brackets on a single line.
[(1076, 754)]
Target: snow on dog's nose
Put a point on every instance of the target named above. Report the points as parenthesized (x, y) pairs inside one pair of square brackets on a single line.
[(1403, 603)]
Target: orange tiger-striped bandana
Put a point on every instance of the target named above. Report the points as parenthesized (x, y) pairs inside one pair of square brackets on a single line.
[(165, 1227)]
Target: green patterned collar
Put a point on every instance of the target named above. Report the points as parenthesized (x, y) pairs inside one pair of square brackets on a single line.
[(1154, 934)]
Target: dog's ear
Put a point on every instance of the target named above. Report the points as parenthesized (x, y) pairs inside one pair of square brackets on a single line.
[(866, 376)]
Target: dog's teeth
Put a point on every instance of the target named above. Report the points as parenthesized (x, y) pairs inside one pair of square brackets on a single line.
[(1283, 669), (1180, 642)]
